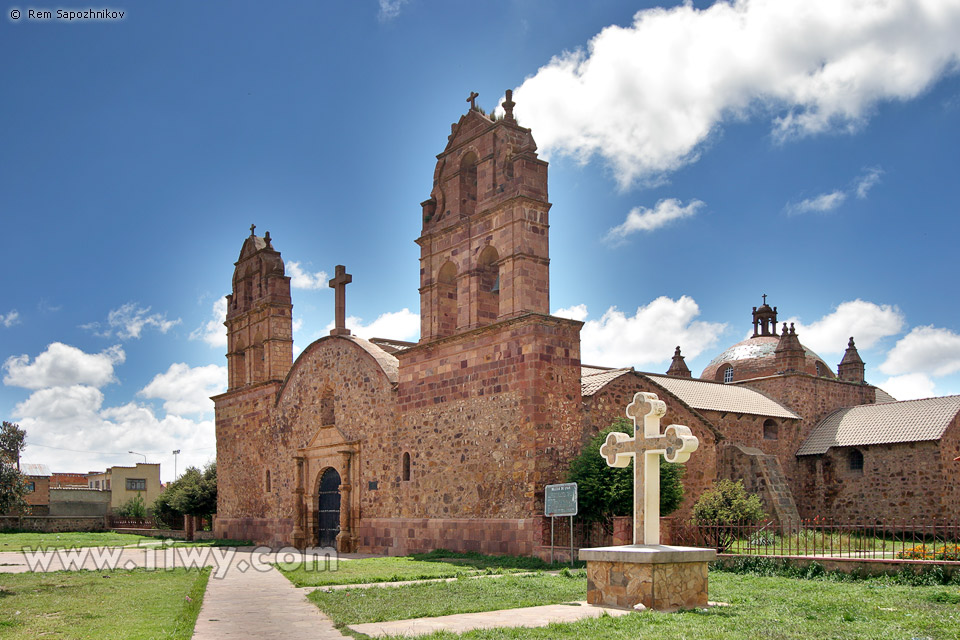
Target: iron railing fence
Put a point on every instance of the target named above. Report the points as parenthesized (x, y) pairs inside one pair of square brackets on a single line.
[(118, 522), (935, 540)]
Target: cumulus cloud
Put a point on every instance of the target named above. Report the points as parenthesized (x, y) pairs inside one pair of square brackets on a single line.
[(62, 365), (644, 219), (867, 322), (129, 321), (398, 325), (867, 181), (11, 318), (820, 204), (647, 337), (646, 97), (910, 386), (928, 350), (186, 390), (213, 332), (390, 9), (300, 279)]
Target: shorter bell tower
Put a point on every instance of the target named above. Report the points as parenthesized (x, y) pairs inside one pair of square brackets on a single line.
[(259, 316)]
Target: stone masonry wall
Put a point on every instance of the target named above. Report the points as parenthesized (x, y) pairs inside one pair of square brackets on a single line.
[(610, 403), (950, 470)]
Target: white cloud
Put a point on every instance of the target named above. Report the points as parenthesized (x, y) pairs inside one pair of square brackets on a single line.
[(129, 321), (644, 219), (648, 337), (576, 312), (213, 332), (390, 9), (62, 365), (398, 325), (928, 350), (186, 390), (910, 386), (300, 279), (646, 97), (867, 322), (820, 204), (11, 318), (867, 181)]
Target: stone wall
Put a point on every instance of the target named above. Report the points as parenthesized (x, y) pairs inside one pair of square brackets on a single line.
[(610, 403), (53, 524), (761, 474)]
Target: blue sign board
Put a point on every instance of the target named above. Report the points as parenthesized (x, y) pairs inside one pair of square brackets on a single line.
[(560, 499)]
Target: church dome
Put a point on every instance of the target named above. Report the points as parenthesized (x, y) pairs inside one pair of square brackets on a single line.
[(757, 355)]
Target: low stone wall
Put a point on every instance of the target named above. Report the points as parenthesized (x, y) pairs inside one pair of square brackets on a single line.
[(868, 567), (176, 534), (53, 524)]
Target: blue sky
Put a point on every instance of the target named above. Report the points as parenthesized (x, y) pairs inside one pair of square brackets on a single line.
[(700, 156)]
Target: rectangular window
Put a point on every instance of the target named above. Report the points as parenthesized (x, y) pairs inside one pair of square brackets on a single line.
[(31, 487), (136, 484)]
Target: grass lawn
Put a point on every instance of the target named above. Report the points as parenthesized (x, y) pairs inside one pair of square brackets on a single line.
[(108, 604), (760, 607), (377, 604), (31, 540), (436, 564)]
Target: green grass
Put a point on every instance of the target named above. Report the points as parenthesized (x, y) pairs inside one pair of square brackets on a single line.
[(772, 608), (436, 564), (31, 540), (376, 604), (108, 604)]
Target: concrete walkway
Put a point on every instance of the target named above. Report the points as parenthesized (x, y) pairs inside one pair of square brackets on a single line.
[(463, 622)]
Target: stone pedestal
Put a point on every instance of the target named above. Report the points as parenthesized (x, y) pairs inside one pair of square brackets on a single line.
[(660, 577)]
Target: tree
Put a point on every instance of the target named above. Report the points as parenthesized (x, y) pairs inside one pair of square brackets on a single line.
[(133, 508), (13, 484), (604, 491), (194, 493), (13, 440), (722, 512)]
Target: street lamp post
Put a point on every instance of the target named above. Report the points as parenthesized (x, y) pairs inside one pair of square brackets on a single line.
[(176, 452), (139, 454)]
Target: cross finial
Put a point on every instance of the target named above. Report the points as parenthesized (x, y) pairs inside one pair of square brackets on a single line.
[(472, 100), (253, 228), (764, 298), (339, 283)]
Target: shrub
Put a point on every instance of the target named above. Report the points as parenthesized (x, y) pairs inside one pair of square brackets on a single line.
[(133, 508), (722, 512)]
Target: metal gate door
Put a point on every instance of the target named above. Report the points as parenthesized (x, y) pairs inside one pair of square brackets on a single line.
[(328, 511)]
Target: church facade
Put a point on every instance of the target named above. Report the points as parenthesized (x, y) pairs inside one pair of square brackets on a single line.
[(390, 447)]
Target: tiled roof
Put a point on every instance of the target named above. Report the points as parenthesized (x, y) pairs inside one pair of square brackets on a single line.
[(883, 396), (698, 394), (716, 396), (387, 361), (29, 469), (885, 423), (592, 379)]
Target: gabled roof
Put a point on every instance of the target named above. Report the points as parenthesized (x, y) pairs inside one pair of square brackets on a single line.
[(29, 469), (717, 396), (884, 423), (698, 394)]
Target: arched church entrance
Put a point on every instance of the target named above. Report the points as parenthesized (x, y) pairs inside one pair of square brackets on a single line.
[(328, 509)]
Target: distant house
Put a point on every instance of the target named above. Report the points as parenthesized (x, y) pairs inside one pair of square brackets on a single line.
[(38, 487), (125, 483), (64, 480)]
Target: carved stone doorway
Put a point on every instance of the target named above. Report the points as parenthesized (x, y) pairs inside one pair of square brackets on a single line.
[(328, 508)]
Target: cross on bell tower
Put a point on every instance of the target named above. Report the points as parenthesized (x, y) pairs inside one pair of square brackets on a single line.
[(339, 284)]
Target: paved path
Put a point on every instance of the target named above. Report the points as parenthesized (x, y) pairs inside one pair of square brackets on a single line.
[(463, 622)]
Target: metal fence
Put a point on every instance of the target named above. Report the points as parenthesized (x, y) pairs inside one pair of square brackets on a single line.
[(931, 540), (117, 522)]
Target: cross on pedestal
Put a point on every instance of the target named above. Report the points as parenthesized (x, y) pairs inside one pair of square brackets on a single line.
[(473, 99), (645, 447), (339, 284)]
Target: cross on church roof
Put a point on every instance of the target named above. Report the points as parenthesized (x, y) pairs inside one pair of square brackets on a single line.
[(339, 284), (764, 298), (645, 448), (472, 99), (252, 228)]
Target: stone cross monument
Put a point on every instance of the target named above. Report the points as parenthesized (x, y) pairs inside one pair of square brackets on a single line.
[(339, 284), (645, 448)]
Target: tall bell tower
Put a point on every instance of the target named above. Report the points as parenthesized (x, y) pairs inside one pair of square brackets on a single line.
[(259, 316)]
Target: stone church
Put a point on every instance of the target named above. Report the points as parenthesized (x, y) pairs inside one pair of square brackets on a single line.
[(392, 447)]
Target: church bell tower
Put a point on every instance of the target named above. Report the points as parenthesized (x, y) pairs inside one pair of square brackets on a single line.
[(259, 316)]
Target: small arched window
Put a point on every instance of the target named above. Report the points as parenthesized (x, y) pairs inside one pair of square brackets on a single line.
[(728, 374), (855, 460), (267, 481), (327, 415), (770, 430), (406, 467)]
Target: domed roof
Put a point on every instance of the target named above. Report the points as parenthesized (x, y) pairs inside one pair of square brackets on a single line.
[(756, 357)]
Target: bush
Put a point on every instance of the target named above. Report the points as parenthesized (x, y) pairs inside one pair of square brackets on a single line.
[(604, 491), (722, 512), (133, 508)]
